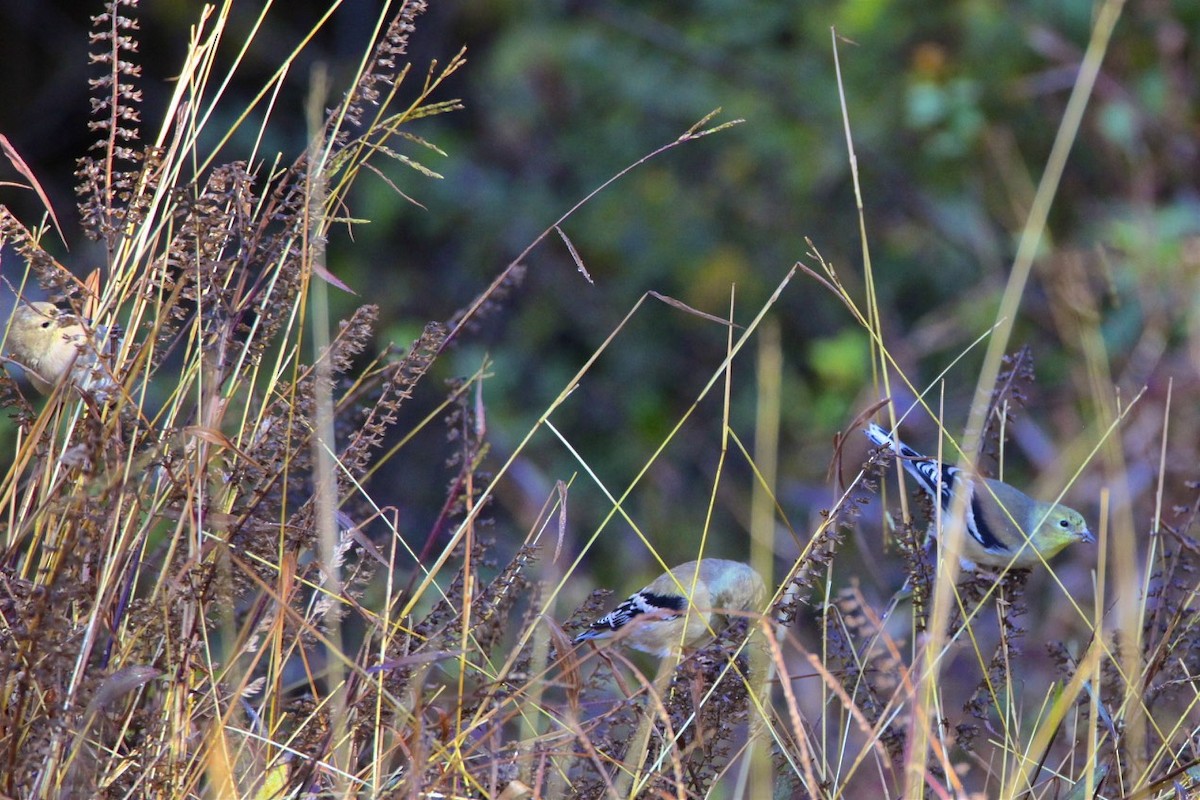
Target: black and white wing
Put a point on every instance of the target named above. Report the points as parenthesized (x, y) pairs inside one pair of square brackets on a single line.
[(643, 604)]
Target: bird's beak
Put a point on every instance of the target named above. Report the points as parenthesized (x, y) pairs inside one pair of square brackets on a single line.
[(1087, 536)]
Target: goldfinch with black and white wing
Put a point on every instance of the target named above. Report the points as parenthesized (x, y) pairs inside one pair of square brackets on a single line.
[(658, 619), (1004, 526)]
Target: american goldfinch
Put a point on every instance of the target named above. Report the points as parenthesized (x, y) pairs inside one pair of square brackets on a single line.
[(1005, 527), (653, 620), (52, 344)]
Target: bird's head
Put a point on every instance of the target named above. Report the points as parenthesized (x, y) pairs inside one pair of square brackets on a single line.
[(1063, 526)]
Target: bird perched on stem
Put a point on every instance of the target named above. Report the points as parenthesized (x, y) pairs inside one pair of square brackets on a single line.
[(658, 618), (53, 346), (1004, 526)]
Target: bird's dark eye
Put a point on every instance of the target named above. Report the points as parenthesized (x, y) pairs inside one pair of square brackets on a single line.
[(47, 324), (1064, 523)]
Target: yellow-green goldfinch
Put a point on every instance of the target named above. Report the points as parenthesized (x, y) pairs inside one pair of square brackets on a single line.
[(52, 346), (653, 620), (1005, 527)]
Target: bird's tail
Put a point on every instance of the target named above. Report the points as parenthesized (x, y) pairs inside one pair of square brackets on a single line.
[(936, 478), (882, 438)]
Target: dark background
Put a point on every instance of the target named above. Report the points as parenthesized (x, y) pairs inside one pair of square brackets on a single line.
[(953, 108)]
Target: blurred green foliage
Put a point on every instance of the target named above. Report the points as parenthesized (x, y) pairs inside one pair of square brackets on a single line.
[(952, 107)]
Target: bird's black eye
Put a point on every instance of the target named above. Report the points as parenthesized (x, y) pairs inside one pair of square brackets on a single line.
[(1064, 523), (47, 324)]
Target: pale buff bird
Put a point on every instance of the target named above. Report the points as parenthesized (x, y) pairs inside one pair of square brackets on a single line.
[(53, 346), (1005, 527), (653, 620)]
